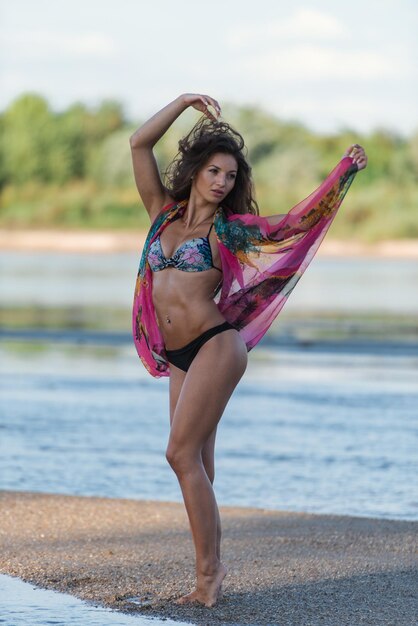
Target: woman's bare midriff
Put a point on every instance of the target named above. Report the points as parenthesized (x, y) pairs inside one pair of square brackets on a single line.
[(186, 299)]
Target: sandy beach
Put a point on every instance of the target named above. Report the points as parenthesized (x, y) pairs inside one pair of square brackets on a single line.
[(133, 241), (284, 568)]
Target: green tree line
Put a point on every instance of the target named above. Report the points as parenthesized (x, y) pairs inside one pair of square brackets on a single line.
[(72, 169)]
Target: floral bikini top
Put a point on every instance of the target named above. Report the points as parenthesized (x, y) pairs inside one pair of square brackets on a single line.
[(194, 255)]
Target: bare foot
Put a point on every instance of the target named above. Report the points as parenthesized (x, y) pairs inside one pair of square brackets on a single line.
[(208, 591)]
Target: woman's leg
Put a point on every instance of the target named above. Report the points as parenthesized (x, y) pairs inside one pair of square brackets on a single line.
[(208, 459), (177, 377), (206, 389)]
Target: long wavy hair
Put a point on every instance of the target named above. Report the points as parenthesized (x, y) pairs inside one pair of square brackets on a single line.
[(206, 138)]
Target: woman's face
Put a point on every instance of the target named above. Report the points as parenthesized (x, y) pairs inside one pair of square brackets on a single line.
[(217, 177)]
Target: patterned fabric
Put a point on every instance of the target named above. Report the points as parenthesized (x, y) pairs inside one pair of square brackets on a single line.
[(194, 255), (262, 259)]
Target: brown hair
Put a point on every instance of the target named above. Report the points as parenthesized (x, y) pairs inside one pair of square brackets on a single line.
[(205, 139)]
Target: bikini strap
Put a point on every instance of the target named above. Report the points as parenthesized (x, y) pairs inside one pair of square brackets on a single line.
[(210, 229)]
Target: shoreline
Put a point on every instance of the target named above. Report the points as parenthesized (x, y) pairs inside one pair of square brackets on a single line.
[(73, 241), (284, 568)]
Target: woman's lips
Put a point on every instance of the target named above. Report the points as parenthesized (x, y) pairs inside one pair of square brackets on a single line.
[(217, 193)]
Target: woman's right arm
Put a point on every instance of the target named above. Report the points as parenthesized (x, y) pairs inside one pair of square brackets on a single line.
[(147, 177)]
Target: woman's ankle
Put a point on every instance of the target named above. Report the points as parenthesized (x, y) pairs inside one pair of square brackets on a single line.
[(208, 567)]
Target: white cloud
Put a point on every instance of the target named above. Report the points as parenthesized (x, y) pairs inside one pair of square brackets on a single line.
[(341, 105), (317, 62), (41, 44), (303, 24)]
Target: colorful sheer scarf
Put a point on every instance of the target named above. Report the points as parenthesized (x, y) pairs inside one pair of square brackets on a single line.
[(262, 259)]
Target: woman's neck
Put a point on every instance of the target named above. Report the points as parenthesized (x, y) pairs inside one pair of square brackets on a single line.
[(197, 211)]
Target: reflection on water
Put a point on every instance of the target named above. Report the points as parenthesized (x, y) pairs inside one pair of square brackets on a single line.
[(318, 431), (339, 284), (23, 604)]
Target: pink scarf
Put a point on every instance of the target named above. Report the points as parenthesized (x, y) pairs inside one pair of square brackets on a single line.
[(262, 259)]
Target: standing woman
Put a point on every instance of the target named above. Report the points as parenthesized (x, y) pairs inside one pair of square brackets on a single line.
[(212, 278)]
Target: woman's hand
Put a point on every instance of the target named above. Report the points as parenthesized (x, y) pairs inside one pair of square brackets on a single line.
[(358, 155), (201, 103)]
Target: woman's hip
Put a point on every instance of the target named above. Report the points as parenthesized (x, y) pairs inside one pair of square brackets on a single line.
[(184, 356)]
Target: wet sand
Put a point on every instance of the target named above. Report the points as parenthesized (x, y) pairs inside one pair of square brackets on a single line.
[(285, 568), (132, 241)]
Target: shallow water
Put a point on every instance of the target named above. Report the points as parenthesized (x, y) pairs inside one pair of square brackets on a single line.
[(22, 604), (306, 430)]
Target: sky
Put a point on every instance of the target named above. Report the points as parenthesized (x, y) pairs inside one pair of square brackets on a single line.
[(330, 65)]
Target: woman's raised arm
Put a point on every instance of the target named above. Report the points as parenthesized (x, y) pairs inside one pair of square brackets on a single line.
[(147, 176)]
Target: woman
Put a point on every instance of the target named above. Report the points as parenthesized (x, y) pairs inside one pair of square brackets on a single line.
[(212, 278)]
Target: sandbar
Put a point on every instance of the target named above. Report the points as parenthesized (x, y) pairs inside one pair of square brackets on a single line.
[(284, 568)]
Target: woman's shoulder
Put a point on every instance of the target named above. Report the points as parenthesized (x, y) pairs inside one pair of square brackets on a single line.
[(167, 203)]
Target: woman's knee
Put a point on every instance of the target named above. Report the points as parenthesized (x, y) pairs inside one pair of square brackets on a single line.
[(210, 471), (180, 458), (171, 455)]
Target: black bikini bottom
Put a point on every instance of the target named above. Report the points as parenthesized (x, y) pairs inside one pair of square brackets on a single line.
[(183, 357)]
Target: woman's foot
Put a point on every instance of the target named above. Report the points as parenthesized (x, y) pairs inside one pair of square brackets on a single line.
[(208, 590)]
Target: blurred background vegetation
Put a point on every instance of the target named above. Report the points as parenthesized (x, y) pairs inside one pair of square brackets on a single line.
[(72, 169)]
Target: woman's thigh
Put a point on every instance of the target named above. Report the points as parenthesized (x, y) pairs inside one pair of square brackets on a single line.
[(177, 377), (206, 389)]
